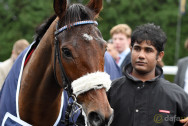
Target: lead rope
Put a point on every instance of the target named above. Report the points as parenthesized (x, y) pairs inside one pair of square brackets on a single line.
[(72, 109)]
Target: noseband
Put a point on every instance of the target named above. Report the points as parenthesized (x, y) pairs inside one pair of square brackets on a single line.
[(81, 84)]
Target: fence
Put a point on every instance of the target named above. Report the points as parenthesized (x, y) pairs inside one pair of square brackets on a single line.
[(170, 70)]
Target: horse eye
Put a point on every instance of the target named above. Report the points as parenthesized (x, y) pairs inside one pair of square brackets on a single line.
[(67, 52)]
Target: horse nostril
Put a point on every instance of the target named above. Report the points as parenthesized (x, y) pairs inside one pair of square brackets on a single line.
[(109, 120), (95, 119)]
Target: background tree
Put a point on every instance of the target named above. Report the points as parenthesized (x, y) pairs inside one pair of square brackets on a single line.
[(20, 18), (137, 12)]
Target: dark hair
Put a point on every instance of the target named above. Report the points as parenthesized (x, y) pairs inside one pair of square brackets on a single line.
[(74, 13), (40, 30), (150, 33)]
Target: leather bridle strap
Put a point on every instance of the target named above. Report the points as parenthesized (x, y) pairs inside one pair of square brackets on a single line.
[(65, 79)]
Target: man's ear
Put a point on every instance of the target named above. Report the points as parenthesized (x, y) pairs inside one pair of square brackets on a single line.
[(160, 56), (129, 40), (131, 48)]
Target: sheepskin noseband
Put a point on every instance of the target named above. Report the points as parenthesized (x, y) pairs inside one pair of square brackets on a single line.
[(90, 81)]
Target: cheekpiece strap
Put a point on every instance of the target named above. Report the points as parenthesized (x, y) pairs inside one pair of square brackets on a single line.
[(75, 24)]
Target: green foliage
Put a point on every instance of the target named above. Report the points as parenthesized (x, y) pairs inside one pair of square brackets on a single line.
[(169, 78), (138, 12), (20, 18)]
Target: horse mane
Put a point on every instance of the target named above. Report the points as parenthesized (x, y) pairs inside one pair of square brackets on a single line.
[(41, 30), (74, 13)]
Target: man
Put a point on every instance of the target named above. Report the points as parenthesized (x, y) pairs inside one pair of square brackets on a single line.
[(112, 50), (121, 39), (5, 66), (181, 77), (111, 67), (141, 97)]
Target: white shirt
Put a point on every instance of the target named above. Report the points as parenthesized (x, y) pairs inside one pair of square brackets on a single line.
[(186, 81), (123, 55)]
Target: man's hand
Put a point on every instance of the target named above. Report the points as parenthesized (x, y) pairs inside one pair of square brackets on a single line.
[(184, 121)]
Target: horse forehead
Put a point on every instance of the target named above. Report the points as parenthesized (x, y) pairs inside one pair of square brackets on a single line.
[(93, 34), (83, 34), (84, 38), (93, 39), (87, 37)]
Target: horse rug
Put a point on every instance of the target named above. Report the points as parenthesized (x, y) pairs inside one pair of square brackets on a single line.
[(9, 94)]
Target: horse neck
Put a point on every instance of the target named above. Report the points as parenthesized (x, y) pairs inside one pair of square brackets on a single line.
[(38, 85)]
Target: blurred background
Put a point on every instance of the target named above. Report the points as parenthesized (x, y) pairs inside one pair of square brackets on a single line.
[(19, 18)]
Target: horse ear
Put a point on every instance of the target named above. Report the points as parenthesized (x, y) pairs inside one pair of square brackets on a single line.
[(60, 7), (96, 6)]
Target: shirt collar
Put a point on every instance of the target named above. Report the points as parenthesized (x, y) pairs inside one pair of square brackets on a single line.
[(128, 69), (124, 53)]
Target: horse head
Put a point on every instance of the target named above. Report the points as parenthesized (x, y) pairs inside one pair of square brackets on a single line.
[(68, 54), (81, 50)]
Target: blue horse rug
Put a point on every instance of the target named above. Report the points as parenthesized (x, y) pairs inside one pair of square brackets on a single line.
[(9, 94)]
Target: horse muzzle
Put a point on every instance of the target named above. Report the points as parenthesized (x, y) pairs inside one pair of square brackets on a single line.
[(91, 88), (97, 119)]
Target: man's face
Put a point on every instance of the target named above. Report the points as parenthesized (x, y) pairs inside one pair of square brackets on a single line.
[(111, 49), (144, 57), (121, 42)]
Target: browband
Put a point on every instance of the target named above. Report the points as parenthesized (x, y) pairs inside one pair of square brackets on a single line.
[(75, 24)]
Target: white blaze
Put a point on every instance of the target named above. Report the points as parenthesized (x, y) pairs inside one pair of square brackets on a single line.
[(87, 37)]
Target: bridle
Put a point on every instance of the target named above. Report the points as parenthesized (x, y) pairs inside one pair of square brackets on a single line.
[(96, 80), (66, 82), (65, 79)]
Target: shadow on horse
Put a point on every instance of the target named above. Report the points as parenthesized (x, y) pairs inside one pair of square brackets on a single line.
[(65, 64)]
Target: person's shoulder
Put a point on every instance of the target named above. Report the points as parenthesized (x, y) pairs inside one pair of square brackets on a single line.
[(182, 60), (6, 63), (118, 82), (170, 87), (165, 83), (108, 58), (107, 55), (116, 86)]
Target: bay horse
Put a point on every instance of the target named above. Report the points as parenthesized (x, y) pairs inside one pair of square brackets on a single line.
[(66, 56)]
